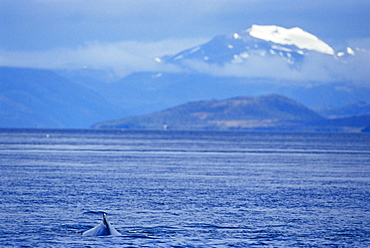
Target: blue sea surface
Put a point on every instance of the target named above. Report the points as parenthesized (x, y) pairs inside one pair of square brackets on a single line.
[(184, 189)]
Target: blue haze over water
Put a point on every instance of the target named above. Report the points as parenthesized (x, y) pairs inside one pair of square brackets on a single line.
[(184, 189)]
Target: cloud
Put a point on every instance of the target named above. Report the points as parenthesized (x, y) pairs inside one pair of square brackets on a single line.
[(257, 66), (126, 57), (315, 69), (356, 69), (123, 57)]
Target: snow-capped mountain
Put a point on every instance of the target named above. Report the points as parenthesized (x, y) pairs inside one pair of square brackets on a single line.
[(292, 45)]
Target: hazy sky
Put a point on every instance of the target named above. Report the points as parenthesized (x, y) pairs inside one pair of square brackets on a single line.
[(128, 34)]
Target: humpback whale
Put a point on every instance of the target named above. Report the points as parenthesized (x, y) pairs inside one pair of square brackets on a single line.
[(103, 229)]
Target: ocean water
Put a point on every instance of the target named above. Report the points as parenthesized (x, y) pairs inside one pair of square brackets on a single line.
[(184, 189)]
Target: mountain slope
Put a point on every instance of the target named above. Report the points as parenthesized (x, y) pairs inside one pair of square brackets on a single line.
[(42, 99), (292, 45), (272, 111)]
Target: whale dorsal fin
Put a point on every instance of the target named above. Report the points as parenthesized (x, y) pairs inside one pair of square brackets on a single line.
[(104, 228)]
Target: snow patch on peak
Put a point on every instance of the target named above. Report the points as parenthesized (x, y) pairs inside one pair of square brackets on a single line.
[(350, 51), (236, 36), (340, 54), (158, 75), (293, 36), (194, 49)]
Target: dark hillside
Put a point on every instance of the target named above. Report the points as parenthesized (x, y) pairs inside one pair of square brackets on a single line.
[(270, 111)]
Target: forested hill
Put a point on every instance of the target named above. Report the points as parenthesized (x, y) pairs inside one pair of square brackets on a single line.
[(266, 112)]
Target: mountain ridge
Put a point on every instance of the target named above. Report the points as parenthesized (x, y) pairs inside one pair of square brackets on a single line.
[(39, 98)]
